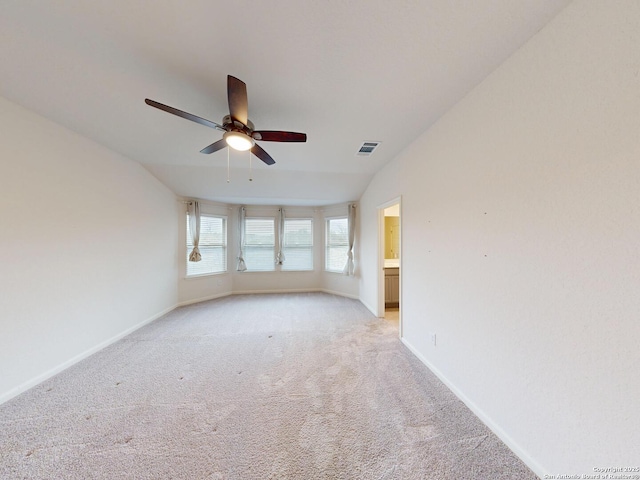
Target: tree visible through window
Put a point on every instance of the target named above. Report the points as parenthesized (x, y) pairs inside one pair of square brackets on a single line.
[(337, 244), (213, 246)]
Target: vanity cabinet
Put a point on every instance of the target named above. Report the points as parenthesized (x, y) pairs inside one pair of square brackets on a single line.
[(391, 287)]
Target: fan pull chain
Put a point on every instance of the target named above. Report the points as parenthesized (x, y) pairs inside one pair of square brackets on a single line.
[(228, 168), (250, 167)]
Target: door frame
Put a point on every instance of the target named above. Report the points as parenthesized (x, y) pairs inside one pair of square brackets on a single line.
[(380, 271)]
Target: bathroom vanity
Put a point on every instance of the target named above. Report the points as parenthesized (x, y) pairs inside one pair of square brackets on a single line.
[(391, 282)]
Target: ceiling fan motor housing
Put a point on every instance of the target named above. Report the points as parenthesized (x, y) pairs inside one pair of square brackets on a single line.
[(229, 125)]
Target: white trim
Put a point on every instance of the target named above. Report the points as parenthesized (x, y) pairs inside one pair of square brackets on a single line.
[(200, 275), (285, 290), (484, 418), (326, 243), (257, 292), (380, 274), (296, 290), (369, 307), (6, 396), (380, 261), (225, 227), (340, 294), (204, 299), (246, 245), (281, 267)]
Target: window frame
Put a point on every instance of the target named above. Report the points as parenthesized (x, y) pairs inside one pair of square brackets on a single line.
[(327, 220), (275, 243), (189, 245), (311, 246)]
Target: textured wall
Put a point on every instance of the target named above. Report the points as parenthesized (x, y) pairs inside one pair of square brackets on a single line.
[(88, 247), (520, 243)]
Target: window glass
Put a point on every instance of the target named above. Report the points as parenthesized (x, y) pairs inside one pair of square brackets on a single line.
[(260, 241), (298, 244), (337, 244), (213, 246)]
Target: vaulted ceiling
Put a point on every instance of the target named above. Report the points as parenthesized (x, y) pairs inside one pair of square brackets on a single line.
[(343, 72)]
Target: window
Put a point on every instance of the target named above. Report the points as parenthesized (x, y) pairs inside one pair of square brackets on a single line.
[(298, 244), (259, 244), (213, 246), (337, 244)]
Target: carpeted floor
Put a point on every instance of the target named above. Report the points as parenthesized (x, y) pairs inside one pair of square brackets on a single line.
[(290, 386)]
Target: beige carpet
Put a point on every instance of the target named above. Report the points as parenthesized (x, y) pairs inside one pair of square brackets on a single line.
[(291, 386)]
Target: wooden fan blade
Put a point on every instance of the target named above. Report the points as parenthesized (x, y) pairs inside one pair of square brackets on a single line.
[(215, 146), (238, 102), (180, 113), (259, 152), (277, 136)]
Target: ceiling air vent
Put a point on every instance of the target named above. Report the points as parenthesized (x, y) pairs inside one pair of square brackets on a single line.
[(367, 148)]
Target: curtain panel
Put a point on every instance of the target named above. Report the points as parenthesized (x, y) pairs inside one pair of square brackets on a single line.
[(349, 268), (194, 227), (241, 266), (280, 255)]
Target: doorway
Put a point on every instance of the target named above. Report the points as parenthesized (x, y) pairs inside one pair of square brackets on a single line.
[(390, 262)]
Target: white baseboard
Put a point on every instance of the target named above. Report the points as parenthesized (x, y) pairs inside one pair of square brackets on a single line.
[(295, 290), (14, 392), (484, 418), (258, 292), (285, 290), (204, 299), (369, 307), (340, 294)]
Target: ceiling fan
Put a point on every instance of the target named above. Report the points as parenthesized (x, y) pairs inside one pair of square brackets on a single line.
[(239, 131)]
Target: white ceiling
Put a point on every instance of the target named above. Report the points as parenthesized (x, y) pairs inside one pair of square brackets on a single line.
[(343, 72)]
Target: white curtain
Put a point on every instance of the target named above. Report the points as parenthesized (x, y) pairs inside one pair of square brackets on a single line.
[(241, 266), (280, 254), (349, 268), (194, 228)]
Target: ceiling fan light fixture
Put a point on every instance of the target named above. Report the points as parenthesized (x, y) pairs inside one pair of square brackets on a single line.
[(239, 141)]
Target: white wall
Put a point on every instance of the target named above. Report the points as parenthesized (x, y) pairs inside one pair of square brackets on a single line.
[(88, 247), (521, 230), (211, 286)]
